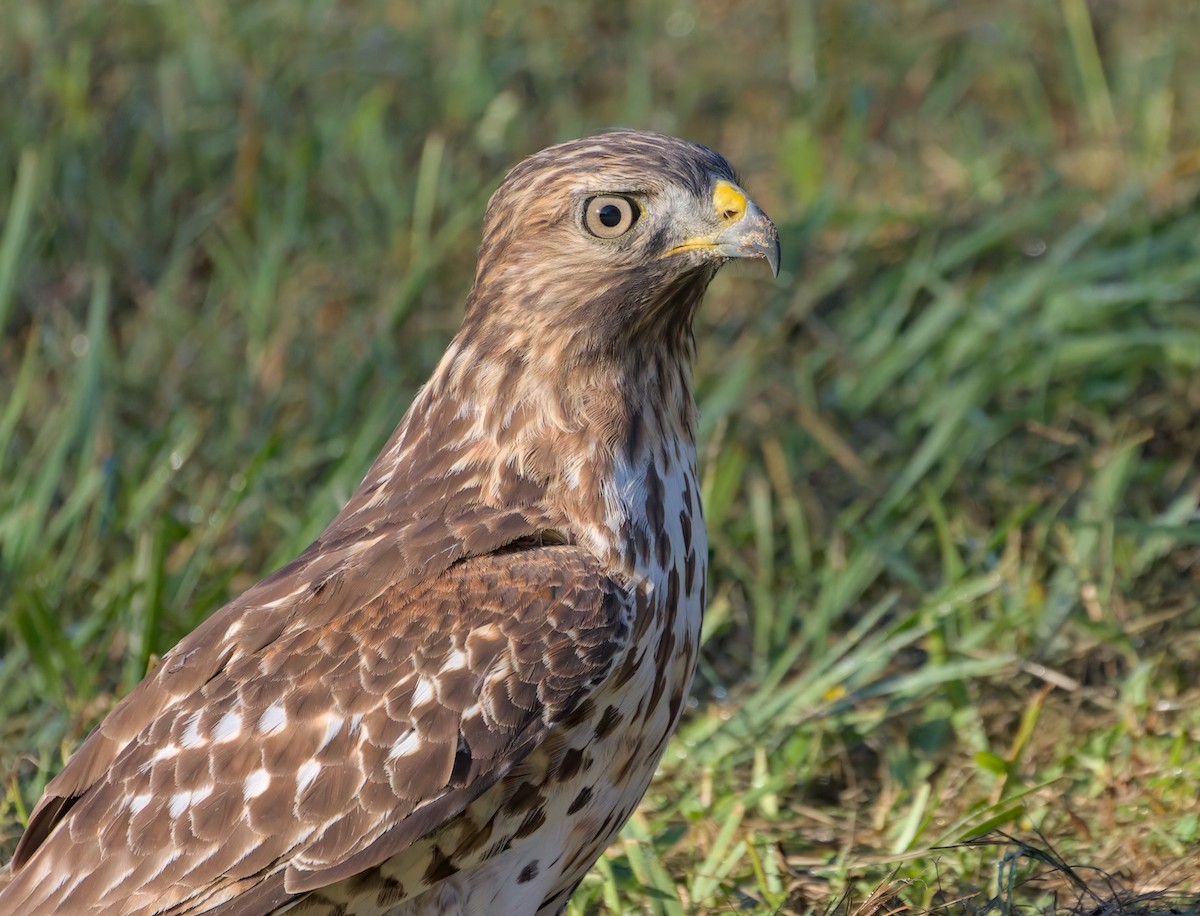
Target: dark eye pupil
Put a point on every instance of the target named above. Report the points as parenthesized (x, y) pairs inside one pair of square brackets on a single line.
[(610, 215)]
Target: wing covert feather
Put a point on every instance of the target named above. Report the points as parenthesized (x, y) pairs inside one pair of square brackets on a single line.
[(332, 748)]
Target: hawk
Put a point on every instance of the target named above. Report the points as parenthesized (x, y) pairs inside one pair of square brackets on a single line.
[(454, 698)]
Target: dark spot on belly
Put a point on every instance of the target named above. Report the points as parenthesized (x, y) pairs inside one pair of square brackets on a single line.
[(631, 763), (532, 823), (570, 764), (528, 873), (440, 867), (391, 892), (662, 550), (662, 655), (525, 798), (673, 708), (629, 667), (477, 838), (608, 819), (656, 514), (584, 796), (641, 541), (637, 713), (610, 720)]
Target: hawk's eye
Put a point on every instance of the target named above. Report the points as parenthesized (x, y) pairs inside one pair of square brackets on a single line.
[(608, 216)]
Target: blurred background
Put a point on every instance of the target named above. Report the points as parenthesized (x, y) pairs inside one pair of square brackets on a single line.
[(950, 457)]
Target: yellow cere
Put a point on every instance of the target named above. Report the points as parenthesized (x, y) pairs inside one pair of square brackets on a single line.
[(729, 201)]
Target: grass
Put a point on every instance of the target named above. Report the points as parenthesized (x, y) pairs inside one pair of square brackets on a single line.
[(952, 467)]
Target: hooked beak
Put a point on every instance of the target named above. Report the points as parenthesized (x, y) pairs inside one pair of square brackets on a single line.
[(753, 236), (747, 232)]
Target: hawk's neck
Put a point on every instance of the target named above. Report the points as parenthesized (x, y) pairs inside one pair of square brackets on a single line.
[(588, 450)]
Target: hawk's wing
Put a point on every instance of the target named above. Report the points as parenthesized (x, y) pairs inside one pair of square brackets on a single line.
[(329, 749)]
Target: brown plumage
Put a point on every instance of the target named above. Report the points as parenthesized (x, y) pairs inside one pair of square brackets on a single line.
[(454, 698)]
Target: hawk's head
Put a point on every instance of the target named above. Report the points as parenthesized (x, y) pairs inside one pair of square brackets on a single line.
[(606, 242)]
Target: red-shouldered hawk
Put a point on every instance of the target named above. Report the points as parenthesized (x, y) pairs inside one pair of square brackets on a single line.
[(455, 697)]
